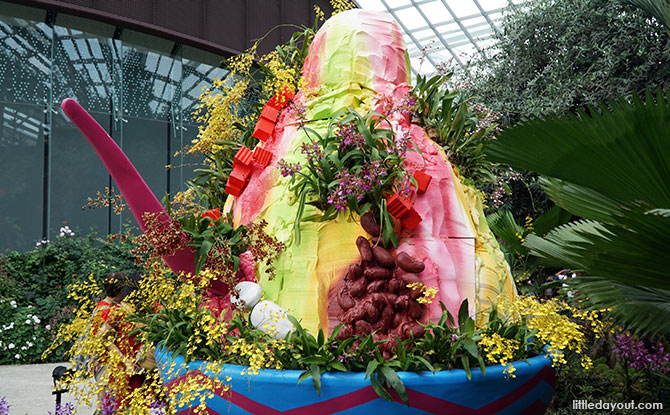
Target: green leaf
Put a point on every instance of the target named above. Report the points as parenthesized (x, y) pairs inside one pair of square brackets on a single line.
[(316, 377), (426, 363), (482, 366), (372, 366), (463, 315), (466, 366), (379, 388), (339, 366), (395, 382), (470, 347)]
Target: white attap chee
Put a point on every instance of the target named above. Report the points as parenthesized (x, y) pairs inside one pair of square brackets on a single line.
[(266, 316), (248, 295)]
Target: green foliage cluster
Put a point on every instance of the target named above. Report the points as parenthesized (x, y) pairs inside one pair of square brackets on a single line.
[(608, 166), (36, 281), (553, 56), (608, 380), (209, 183), (204, 233), (456, 125), (528, 271), (332, 167)]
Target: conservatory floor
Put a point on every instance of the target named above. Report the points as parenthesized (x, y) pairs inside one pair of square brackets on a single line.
[(28, 390)]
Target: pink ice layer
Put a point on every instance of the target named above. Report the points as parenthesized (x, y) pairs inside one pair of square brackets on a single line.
[(138, 196)]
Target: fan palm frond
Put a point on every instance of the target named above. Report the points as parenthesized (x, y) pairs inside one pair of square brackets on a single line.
[(619, 151), (640, 309)]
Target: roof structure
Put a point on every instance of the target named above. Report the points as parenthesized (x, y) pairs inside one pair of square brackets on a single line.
[(439, 32)]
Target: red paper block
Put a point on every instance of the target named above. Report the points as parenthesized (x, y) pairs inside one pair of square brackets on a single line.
[(242, 157), (423, 180), (411, 219), (281, 99), (213, 214), (233, 190), (263, 129), (239, 176), (398, 206), (262, 156), (269, 112)]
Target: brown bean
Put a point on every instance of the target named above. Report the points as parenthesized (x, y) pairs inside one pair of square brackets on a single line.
[(383, 256), (387, 317), (379, 299), (364, 248), (376, 287), (392, 343), (398, 319), (415, 310), (355, 272), (401, 303), (378, 326), (345, 332), (409, 263), (354, 314), (377, 273), (345, 301), (391, 297), (414, 330), (395, 285), (371, 312), (408, 279), (369, 224), (363, 326), (358, 288)]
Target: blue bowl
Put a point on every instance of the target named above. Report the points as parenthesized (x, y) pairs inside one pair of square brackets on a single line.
[(275, 392)]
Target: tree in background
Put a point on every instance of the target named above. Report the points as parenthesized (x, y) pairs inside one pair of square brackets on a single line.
[(553, 56)]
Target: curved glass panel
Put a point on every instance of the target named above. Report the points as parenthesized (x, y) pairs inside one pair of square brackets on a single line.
[(142, 89), (439, 32)]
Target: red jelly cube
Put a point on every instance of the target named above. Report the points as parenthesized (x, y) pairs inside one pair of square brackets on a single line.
[(242, 157), (238, 177), (281, 99), (269, 112), (397, 205), (423, 180), (411, 219), (263, 129), (262, 156), (233, 190)]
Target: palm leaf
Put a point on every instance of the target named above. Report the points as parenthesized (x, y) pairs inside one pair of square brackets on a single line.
[(580, 201), (550, 219), (641, 309), (609, 165), (629, 252), (622, 151), (504, 227), (569, 244)]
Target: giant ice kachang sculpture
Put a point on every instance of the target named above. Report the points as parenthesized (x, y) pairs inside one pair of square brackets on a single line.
[(357, 60)]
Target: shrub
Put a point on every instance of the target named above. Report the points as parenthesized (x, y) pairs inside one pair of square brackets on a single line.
[(33, 286), (553, 56)]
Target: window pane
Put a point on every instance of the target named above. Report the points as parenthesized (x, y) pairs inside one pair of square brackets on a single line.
[(25, 55), (21, 184), (76, 174)]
